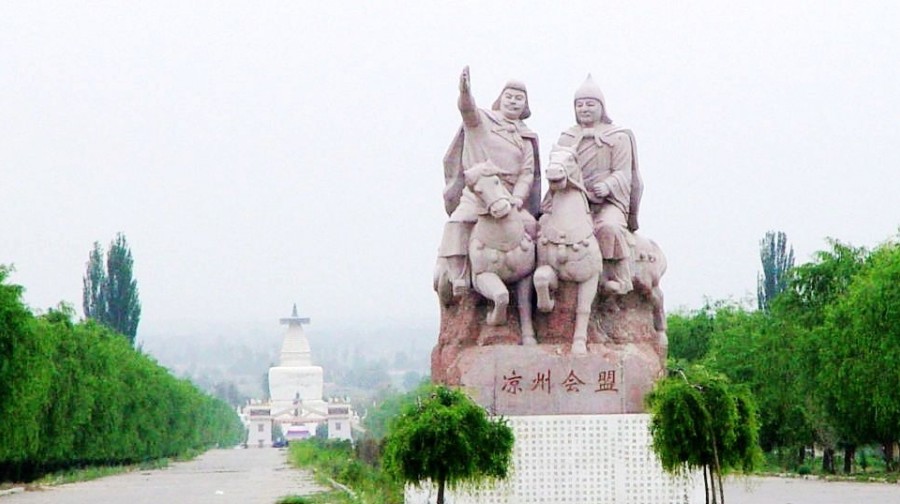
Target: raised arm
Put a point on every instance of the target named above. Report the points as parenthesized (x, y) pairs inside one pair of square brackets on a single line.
[(466, 103)]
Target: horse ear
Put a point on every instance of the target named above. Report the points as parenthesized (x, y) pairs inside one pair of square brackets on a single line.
[(473, 173)]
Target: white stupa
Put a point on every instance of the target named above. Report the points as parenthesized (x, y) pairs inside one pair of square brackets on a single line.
[(295, 385)]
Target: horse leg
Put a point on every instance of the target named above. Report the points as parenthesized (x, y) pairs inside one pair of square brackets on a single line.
[(523, 296), (545, 281), (586, 292), (491, 287), (442, 284), (659, 315)]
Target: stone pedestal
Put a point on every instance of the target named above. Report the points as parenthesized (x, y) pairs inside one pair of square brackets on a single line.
[(581, 435), (579, 459), (540, 380), (626, 355)]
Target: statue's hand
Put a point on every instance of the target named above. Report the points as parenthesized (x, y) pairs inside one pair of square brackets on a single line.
[(464, 81), (516, 202), (601, 190)]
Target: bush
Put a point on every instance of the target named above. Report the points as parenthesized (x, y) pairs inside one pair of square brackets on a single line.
[(335, 459), (83, 396)]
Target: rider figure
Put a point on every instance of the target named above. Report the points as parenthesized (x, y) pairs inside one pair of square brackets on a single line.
[(498, 135), (608, 159)]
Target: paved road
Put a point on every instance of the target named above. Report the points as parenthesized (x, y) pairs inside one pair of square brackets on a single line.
[(802, 491), (251, 476), (261, 476)]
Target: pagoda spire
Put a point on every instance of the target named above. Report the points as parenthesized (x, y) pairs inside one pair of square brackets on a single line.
[(294, 319)]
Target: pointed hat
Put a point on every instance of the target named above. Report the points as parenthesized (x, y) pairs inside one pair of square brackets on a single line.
[(590, 89)]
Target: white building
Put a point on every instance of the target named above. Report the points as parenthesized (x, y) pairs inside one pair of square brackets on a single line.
[(296, 407), (295, 385)]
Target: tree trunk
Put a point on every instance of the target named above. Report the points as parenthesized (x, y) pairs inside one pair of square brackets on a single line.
[(801, 455), (828, 461), (849, 455), (441, 491), (712, 487), (440, 499), (889, 465), (706, 483)]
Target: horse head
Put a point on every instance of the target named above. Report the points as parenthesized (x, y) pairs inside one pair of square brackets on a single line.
[(484, 181), (563, 169)]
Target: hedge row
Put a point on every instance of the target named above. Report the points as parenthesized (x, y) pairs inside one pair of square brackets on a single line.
[(77, 394)]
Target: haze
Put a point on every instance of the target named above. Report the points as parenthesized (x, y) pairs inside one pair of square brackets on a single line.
[(258, 155)]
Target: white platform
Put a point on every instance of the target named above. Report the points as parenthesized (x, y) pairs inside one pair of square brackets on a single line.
[(580, 459)]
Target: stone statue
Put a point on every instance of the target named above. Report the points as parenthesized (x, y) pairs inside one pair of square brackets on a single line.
[(497, 135), (500, 249), (567, 248), (608, 159), (598, 341), (649, 266)]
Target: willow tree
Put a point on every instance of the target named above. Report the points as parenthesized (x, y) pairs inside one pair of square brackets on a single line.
[(699, 421), (859, 347), (446, 438)]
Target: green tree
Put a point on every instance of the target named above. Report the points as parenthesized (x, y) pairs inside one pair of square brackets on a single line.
[(757, 350), (860, 347), (111, 296), (689, 333), (813, 286), (81, 395), (700, 421), (777, 259), (800, 313), (446, 438), (94, 294)]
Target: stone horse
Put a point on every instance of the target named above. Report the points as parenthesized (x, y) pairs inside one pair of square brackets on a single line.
[(649, 266), (567, 249), (501, 251)]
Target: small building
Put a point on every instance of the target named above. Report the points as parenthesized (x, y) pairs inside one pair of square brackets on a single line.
[(259, 426), (339, 420)]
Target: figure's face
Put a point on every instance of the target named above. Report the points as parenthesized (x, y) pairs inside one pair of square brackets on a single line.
[(588, 111), (512, 103)]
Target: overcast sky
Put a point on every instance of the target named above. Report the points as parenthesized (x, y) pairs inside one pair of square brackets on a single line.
[(264, 153)]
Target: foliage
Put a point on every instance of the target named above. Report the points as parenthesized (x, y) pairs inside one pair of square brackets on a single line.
[(388, 406), (334, 459), (689, 334), (111, 296), (799, 314), (448, 439), (860, 348), (94, 281), (333, 497), (81, 395), (699, 420), (757, 350), (777, 260), (813, 286)]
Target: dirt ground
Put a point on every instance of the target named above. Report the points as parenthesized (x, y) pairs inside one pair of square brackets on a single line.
[(233, 476)]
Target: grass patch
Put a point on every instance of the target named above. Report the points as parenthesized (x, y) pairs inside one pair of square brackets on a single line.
[(336, 460), (83, 474), (80, 474), (335, 497)]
